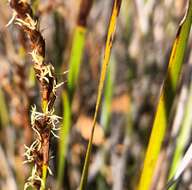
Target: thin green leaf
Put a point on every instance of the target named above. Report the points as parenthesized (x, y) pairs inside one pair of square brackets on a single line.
[(76, 57), (108, 92), (64, 138)]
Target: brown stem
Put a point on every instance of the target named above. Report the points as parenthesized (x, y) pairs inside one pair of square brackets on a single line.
[(85, 8)]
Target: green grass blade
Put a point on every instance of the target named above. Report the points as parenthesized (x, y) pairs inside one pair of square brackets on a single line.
[(77, 50), (183, 137), (64, 137), (74, 66), (108, 93), (166, 100), (78, 45), (76, 57), (108, 46)]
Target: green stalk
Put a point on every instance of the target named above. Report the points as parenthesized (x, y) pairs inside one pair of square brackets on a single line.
[(64, 138), (75, 60), (166, 100)]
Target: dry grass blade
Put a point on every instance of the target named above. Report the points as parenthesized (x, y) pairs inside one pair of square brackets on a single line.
[(166, 100), (110, 36)]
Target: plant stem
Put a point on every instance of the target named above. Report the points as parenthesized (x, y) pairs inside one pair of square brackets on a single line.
[(105, 62)]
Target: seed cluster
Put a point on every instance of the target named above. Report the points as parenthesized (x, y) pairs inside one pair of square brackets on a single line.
[(43, 123), (37, 153)]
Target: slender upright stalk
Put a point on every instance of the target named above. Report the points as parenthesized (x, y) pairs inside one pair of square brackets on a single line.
[(107, 53), (108, 93)]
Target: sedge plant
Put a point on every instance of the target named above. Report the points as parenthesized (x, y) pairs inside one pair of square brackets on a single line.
[(166, 98), (44, 122)]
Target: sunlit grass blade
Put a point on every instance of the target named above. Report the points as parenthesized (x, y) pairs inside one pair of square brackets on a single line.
[(107, 52), (183, 137), (166, 100)]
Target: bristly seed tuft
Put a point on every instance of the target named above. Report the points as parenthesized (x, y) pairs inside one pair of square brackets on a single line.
[(43, 123)]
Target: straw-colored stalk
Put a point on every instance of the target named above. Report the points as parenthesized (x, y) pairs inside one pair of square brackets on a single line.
[(110, 36)]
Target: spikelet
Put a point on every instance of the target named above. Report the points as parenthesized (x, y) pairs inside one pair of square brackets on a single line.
[(43, 123)]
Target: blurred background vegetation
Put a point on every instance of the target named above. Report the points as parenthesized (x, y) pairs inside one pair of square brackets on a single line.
[(145, 33)]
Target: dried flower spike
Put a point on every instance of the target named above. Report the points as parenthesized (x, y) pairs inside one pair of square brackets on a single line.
[(43, 123)]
